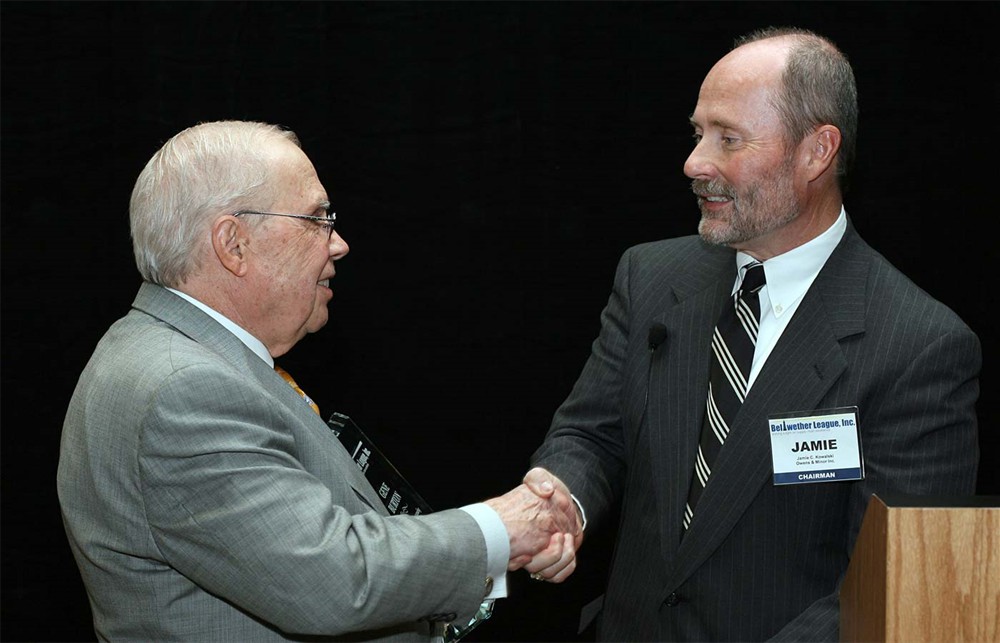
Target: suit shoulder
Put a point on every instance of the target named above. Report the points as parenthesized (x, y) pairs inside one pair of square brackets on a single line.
[(146, 352), (677, 252), (143, 336), (892, 290)]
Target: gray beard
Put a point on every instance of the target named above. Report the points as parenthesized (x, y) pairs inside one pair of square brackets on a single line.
[(754, 213)]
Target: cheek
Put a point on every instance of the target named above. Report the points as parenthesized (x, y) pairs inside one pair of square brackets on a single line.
[(301, 264), (742, 173)]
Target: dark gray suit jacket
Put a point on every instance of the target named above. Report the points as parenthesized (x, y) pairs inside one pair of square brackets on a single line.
[(204, 500), (759, 561)]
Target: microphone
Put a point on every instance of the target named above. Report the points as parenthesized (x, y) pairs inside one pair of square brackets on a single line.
[(657, 335)]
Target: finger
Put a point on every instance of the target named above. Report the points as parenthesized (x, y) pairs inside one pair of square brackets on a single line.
[(540, 482), (517, 563), (567, 556), (568, 516), (565, 573), (562, 511), (561, 499), (549, 556), (565, 566)]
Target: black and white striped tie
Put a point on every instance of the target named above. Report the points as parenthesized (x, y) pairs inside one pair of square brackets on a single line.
[(733, 345)]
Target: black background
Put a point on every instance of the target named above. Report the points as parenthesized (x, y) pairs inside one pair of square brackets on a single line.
[(489, 162)]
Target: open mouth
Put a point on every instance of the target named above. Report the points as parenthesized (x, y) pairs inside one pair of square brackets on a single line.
[(711, 191)]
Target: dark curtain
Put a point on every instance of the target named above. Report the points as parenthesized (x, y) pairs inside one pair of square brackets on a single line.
[(488, 162)]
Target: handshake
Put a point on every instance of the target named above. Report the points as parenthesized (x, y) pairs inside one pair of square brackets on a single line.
[(544, 526)]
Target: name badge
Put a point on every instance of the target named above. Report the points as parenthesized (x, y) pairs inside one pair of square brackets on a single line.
[(816, 446)]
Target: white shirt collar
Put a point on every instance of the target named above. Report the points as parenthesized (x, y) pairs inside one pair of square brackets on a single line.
[(251, 342), (790, 274)]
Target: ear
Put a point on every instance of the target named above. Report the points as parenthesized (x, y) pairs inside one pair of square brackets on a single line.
[(229, 244), (821, 151)]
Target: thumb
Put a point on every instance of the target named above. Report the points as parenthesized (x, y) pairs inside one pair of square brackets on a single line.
[(540, 481)]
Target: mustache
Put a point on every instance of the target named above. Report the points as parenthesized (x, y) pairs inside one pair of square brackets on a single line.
[(702, 188)]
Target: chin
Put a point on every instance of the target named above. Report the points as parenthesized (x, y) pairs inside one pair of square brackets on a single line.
[(715, 232), (317, 321)]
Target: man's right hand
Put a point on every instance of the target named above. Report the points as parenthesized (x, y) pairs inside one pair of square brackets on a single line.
[(547, 565), (537, 526)]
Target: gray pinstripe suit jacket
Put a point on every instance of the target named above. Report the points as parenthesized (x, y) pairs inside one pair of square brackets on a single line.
[(759, 561), (204, 500)]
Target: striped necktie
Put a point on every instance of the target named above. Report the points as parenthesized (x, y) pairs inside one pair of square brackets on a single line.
[(291, 382), (733, 345)]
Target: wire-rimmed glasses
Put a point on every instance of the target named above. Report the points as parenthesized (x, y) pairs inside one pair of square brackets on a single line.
[(328, 222)]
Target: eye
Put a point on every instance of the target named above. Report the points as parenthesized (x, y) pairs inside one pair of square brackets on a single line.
[(697, 138), (329, 221)]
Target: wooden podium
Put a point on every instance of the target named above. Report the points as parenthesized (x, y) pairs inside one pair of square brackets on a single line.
[(924, 570)]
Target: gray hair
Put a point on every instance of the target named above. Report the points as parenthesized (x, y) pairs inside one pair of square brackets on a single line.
[(200, 172), (818, 88)]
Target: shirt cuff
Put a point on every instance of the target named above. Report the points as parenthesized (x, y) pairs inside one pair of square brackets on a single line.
[(583, 514), (497, 545)]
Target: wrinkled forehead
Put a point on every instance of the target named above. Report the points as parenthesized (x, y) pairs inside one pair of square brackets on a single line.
[(294, 176)]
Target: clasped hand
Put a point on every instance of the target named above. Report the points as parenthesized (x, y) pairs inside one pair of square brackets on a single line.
[(544, 526)]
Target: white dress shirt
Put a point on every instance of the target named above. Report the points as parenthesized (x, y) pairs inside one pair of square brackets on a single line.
[(788, 277)]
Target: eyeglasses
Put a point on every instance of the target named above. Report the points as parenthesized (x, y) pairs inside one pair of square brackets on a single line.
[(328, 222)]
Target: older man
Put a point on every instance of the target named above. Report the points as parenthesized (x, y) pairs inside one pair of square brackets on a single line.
[(203, 498), (719, 357)]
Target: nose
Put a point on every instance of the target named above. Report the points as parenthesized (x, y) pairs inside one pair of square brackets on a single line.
[(338, 247), (699, 164)]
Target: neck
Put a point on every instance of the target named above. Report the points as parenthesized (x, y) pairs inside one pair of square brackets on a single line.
[(226, 302), (815, 219)]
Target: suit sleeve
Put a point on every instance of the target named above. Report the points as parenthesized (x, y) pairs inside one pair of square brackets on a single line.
[(919, 437), (585, 443), (231, 506)]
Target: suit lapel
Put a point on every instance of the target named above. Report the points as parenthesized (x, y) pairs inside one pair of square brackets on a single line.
[(678, 387), (788, 382), (306, 417), (195, 324), (804, 364)]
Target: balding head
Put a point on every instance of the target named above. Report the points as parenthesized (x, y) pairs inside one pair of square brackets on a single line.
[(816, 87), (762, 186)]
